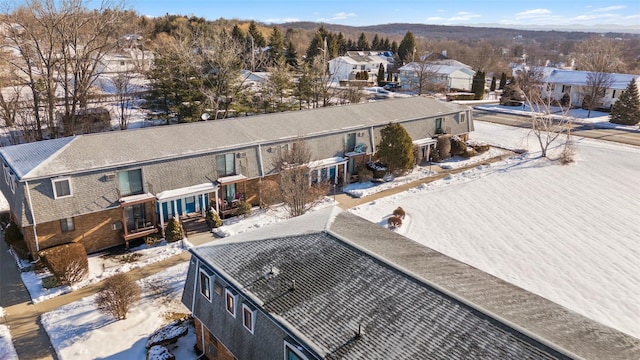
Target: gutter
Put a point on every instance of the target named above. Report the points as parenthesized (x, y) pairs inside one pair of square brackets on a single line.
[(33, 219)]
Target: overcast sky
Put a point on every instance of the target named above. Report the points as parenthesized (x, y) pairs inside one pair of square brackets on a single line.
[(374, 12)]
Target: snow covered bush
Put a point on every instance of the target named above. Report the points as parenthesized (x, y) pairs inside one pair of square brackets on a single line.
[(68, 262), (173, 231), (118, 294), (458, 147), (444, 147), (213, 219)]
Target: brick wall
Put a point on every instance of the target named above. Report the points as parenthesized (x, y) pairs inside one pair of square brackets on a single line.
[(93, 230), (213, 349)]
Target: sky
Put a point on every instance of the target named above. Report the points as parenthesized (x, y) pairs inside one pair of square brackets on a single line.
[(375, 12)]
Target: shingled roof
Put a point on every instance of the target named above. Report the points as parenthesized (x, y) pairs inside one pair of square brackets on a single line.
[(121, 148), (411, 300)]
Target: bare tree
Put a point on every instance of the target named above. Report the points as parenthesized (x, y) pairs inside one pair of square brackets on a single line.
[(426, 77), (296, 190), (58, 46), (600, 57), (123, 90), (549, 127), (118, 294)]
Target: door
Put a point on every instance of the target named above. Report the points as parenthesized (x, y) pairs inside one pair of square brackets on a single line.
[(190, 204)]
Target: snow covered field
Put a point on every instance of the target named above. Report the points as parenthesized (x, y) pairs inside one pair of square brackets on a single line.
[(568, 233), (78, 331)]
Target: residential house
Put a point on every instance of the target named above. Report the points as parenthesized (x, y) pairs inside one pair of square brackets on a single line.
[(557, 82), (345, 68), (130, 60), (448, 74), (331, 285), (109, 188)]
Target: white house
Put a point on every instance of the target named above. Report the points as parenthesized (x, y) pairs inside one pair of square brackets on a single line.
[(451, 74), (346, 67), (557, 82), (126, 60)]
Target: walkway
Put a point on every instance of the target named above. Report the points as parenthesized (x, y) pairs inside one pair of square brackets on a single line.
[(22, 317)]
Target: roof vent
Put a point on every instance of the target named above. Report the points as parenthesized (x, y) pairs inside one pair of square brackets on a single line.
[(360, 332), (270, 272)]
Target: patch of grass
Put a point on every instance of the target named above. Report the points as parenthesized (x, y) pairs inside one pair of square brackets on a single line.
[(171, 315), (50, 282)]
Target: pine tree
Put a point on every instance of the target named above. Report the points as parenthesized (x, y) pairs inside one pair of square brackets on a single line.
[(276, 47), (363, 43), (258, 39), (396, 149), (503, 81), (493, 84), (375, 43), (291, 55), (477, 86), (626, 110), (380, 73), (407, 47)]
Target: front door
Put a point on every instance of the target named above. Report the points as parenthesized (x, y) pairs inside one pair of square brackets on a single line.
[(190, 204)]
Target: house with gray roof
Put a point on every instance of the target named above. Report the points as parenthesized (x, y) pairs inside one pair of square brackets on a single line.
[(331, 285), (110, 188)]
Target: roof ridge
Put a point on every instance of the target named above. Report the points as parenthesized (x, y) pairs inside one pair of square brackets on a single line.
[(52, 156)]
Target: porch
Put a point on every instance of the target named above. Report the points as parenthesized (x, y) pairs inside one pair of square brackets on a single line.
[(189, 202), (232, 191), (137, 216)]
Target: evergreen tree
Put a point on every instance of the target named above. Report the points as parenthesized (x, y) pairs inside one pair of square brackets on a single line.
[(258, 39), (493, 84), (477, 86), (380, 73), (396, 149), (276, 47), (363, 43), (394, 48), (315, 47), (503, 81), (389, 76), (291, 55), (238, 34), (375, 44), (341, 43), (386, 46), (626, 110), (407, 47)]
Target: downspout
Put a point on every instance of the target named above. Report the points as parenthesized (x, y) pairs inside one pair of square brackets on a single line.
[(261, 174), (373, 141), (33, 219)]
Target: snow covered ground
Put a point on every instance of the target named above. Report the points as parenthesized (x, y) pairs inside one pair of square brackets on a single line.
[(7, 352), (568, 233), (78, 331), (101, 267)]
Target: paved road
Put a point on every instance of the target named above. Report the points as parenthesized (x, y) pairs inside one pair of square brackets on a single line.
[(630, 137), (29, 338)]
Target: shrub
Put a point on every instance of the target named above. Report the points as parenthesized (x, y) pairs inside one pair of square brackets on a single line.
[(12, 234), (68, 262), (444, 146), (244, 208), (213, 219), (173, 231), (394, 222), (469, 153), (152, 240), (399, 212), (364, 174), (118, 294), (458, 147)]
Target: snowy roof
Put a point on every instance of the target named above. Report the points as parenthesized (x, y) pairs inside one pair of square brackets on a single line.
[(421, 300), (573, 77), (348, 287), (436, 68), (327, 162), (113, 149), (204, 188)]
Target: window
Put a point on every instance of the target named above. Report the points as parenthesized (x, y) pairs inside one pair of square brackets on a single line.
[(226, 165), (248, 318), (350, 142), (566, 88), (136, 217), (61, 188), (463, 118), (66, 225), (12, 182), (292, 352), (230, 299), (439, 129), (205, 285), (130, 182)]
